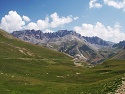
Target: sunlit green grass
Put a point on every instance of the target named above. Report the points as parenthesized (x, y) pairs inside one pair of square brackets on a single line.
[(38, 76)]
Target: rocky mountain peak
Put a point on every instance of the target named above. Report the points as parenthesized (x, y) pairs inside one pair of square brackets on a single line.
[(98, 41), (61, 33), (121, 44)]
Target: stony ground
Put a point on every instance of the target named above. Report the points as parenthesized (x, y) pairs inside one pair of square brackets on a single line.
[(121, 89)]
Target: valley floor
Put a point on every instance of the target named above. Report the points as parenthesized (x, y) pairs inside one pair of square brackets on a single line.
[(24, 76)]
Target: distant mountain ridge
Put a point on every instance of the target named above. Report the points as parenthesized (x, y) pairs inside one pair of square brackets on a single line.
[(70, 42), (97, 40), (121, 44), (38, 34)]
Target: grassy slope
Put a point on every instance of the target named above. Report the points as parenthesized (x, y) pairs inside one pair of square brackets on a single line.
[(120, 55), (30, 69)]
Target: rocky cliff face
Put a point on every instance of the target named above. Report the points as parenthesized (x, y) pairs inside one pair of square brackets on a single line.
[(70, 42)]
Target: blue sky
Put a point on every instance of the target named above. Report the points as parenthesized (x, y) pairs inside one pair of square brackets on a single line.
[(102, 18)]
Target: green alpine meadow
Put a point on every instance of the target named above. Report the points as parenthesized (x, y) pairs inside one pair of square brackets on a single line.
[(30, 69)]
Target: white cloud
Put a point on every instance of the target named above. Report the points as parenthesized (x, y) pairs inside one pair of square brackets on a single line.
[(43, 24), (26, 19), (32, 25), (94, 4), (48, 31), (39, 25), (116, 4), (105, 32), (76, 18), (57, 21), (12, 22)]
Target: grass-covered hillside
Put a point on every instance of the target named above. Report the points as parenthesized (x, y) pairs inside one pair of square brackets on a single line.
[(31, 69), (10, 47), (120, 55)]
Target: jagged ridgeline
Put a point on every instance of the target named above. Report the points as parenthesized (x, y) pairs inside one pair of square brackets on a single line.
[(121, 44)]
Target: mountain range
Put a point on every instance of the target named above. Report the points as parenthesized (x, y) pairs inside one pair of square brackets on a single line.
[(121, 44), (28, 35), (82, 48)]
